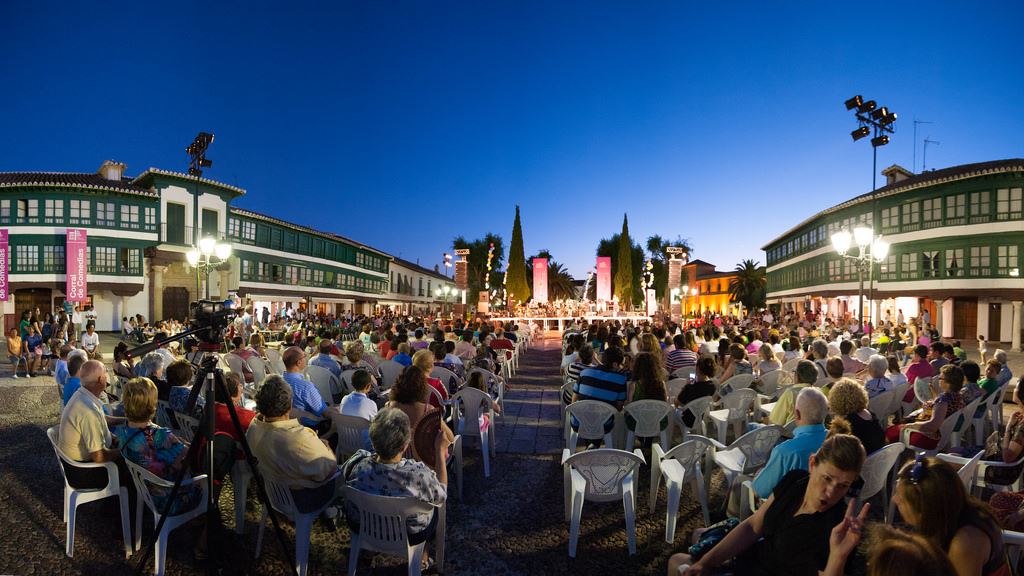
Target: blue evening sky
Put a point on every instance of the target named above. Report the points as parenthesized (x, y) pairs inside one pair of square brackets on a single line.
[(404, 124)]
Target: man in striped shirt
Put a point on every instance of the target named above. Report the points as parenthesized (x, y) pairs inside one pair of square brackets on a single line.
[(606, 382), (680, 358)]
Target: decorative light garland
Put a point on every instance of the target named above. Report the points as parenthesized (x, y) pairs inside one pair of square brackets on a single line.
[(487, 278)]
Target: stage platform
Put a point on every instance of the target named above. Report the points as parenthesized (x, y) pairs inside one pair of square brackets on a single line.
[(563, 320)]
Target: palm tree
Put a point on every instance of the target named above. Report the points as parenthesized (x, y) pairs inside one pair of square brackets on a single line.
[(750, 285), (560, 283)]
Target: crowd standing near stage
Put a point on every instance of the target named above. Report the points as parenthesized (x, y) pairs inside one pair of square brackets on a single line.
[(831, 367)]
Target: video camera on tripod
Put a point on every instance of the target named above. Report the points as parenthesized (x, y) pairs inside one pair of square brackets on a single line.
[(210, 318)]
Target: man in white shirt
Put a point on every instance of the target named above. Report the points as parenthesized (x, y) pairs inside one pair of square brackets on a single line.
[(91, 343), (865, 352), (358, 404)]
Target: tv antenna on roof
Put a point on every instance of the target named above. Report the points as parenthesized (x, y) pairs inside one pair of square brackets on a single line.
[(916, 122), (924, 158)]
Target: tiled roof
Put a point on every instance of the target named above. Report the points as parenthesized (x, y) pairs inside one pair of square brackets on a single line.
[(80, 180), (158, 172), (417, 268), (306, 229), (929, 178)]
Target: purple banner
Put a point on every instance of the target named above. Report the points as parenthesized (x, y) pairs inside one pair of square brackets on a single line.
[(540, 280), (5, 257), (77, 265)]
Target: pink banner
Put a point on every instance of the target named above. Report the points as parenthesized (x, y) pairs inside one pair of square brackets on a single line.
[(604, 278), (5, 256), (540, 280), (77, 264)]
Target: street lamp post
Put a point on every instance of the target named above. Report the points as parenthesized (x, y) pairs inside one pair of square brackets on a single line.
[(871, 249), (209, 254), (444, 292)]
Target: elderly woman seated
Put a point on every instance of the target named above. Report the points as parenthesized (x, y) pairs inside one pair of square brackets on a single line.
[(926, 429), (388, 473), (877, 382), (290, 452), (152, 366)]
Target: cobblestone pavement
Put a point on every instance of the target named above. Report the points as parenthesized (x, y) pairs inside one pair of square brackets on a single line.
[(510, 523)]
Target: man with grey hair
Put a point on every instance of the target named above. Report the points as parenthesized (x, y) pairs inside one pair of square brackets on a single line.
[(811, 409), (865, 351), (784, 410), (387, 473), (290, 452), (819, 354), (1004, 372), (877, 383)]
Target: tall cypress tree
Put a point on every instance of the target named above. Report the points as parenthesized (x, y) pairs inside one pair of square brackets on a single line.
[(517, 284), (624, 272)]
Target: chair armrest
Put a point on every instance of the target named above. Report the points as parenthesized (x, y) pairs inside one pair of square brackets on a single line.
[(718, 445), (640, 454), (565, 455), (672, 470), (202, 478), (578, 482), (953, 459)]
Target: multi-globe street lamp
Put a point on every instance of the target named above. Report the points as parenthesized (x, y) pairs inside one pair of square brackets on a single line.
[(871, 250), (444, 292), (209, 254)]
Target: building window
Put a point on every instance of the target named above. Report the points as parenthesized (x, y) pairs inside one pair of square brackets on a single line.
[(955, 210), (5, 211), (930, 264), (245, 263), (80, 212), (28, 211), (1006, 261), (26, 258), (233, 227), (105, 215), (981, 210), (106, 261), (248, 230), (1008, 203), (910, 216), (908, 267), (981, 261), (53, 259), (887, 268), (130, 261), (53, 211), (891, 219), (955, 262), (931, 212), (150, 218), (130, 216)]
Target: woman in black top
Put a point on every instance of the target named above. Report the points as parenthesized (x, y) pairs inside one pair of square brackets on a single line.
[(703, 386), (848, 402), (789, 533)]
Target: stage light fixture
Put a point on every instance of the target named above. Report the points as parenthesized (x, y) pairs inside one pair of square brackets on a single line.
[(860, 133), (854, 102), (879, 113), (880, 141)]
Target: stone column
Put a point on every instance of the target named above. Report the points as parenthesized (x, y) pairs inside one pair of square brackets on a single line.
[(224, 277), (1016, 324), (158, 292), (938, 318), (124, 312)]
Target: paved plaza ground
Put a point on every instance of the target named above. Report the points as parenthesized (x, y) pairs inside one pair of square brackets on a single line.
[(510, 523)]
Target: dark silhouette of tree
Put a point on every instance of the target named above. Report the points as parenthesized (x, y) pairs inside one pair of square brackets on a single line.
[(477, 267), (750, 286), (517, 285)]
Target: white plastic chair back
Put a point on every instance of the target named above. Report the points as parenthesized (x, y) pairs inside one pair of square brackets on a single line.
[(352, 432), (470, 405), (273, 355), (770, 382), (675, 386), (969, 471), (187, 426), (879, 406), (235, 363), (922, 389), (739, 403), (389, 370), (737, 382), (383, 526), (163, 414), (756, 446), (790, 365), (324, 381), (822, 382), (346, 380), (259, 371), (898, 392), (648, 415), (604, 469), (448, 378), (878, 468), (591, 415), (1013, 542), (964, 422), (683, 372), (699, 408), (75, 497)]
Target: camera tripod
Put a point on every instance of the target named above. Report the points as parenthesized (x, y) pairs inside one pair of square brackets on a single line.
[(209, 382)]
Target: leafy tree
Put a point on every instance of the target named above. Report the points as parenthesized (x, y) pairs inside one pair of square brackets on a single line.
[(624, 273), (517, 285), (477, 267), (750, 286)]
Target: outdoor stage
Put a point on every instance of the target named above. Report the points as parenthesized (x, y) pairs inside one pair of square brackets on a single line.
[(561, 320)]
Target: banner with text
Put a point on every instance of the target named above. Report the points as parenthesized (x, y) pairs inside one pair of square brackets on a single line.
[(5, 257), (77, 265), (604, 278), (540, 280)]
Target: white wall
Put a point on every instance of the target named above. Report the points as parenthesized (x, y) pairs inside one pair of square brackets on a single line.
[(947, 318), (1006, 323), (180, 195)]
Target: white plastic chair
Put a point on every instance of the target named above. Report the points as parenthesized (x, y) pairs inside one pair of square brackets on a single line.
[(770, 385), (236, 364), (389, 370), (898, 392), (491, 377), (600, 475), (447, 378), (352, 434), (743, 458), (991, 404), (699, 408), (143, 480), (675, 386), (187, 426), (737, 382), (75, 497), (241, 475), (326, 383), (1013, 543), (259, 371), (591, 416), (879, 406), (281, 499), (680, 465), (877, 470), (964, 422), (946, 434), (346, 380), (735, 409), (383, 527), (790, 365), (469, 409), (648, 415), (163, 414)]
